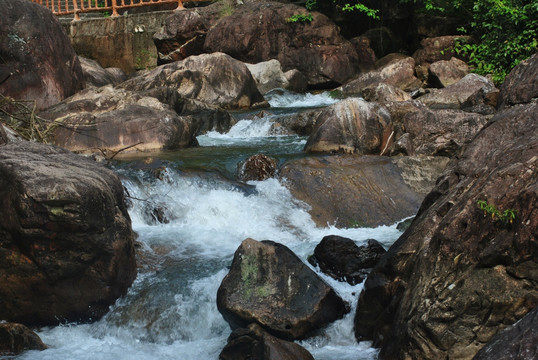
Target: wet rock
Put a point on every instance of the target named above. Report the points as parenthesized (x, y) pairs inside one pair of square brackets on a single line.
[(437, 48), (253, 342), (257, 167), (343, 260), (95, 75), (260, 31), (3, 135), (399, 72), (455, 278), (351, 126), (302, 123), (215, 79), (16, 338), (268, 75), (66, 244), (521, 85), (517, 341), (110, 120), (444, 73), (470, 91), (268, 284), (157, 213), (419, 130), (297, 82), (38, 60), (350, 191), (404, 225)]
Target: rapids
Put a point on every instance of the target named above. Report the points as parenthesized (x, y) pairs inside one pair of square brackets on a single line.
[(170, 311)]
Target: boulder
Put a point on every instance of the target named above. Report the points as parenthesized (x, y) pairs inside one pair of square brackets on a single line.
[(110, 120), (444, 73), (301, 123), (365, 53), (215, 79), (383, 93), (343, 260), (38, 61), (518, 341), (16, 338), (521, 85), (268, 75), (297, 82), (455, 278), (421, 172), (351, 126), (183, 32), (470, 93), (269, 285), (350, 191), (260, 31), (66, 244), (95, 75), (437, 48), (253, 342), (3, 135), (399, 73), (419, 130), (257, 167)]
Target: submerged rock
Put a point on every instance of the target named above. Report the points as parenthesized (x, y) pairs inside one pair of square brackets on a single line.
[(16, 338), (257, 167), (253, 342), (37, 57), (66, 244), (458, 276), (269, 285)]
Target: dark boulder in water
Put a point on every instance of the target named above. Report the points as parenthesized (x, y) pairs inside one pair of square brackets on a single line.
[(16, 338)]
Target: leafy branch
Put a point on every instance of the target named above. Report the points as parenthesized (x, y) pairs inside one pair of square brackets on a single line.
[(505, 217)]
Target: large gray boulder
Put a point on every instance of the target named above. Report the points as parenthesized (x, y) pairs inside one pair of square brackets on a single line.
[(269, 285), (66, 244), (37, 59)]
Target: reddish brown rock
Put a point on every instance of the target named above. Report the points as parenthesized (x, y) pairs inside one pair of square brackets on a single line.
[(260, 31), (257, 167), (365, 53), (351, 126), (66, 244), (215, 79), (269, 285), (253, 342), (457, 277), (436, 48), (521, 85), (16, 338), (383, 93), (38, 62), (351, 191), (444, 73)]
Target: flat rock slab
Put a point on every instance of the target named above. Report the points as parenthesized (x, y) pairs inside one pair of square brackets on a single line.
[(351, 191)]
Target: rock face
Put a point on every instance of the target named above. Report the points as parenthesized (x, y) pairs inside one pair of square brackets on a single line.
[(268, 75), (521, 85), (351, 191), (95, 75), (268, 284), (351, 126), (399, 72), (518, 341), (473, 90), (37, 54), (260, 31), (109, 120), (456, 277), (257, 167), (422, 131), (436, 48), (66, 248), (343, 260), (255, 343), (444, 73), (215, 79), (16, 338)]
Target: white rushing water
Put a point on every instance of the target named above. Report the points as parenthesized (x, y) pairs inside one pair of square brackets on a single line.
[(170, 311)]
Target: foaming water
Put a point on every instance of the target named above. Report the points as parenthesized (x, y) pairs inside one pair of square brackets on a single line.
[(280, 98)]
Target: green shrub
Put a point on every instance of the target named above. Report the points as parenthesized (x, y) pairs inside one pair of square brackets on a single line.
[(300, 18)]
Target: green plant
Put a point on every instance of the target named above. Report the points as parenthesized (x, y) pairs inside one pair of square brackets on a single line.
[(300, 18), (505, 217)]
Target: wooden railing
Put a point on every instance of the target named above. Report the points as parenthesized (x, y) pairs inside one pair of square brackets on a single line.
[(76, 7)]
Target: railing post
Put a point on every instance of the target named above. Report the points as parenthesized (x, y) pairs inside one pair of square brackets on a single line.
[(179, 5), (75, 10), (114, 10)]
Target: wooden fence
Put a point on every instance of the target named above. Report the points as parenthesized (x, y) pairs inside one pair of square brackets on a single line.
[(76, 7)]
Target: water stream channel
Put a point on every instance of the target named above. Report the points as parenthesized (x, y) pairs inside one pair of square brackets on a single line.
[(170, 311)]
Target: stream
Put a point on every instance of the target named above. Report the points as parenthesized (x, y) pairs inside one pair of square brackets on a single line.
[(170, 311)]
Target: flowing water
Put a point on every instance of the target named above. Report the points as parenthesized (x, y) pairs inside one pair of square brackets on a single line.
[(170, 311)]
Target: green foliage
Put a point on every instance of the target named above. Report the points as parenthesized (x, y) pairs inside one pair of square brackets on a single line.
[(506, 217), (362, 9), (305, 18)]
